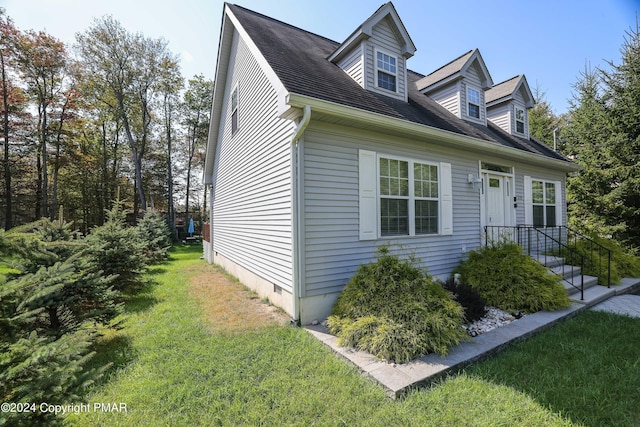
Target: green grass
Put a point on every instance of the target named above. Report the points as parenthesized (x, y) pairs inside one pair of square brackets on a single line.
[(172, 368), (587, 368)]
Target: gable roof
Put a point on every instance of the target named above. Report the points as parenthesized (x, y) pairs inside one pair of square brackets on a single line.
[(365, 30), (299, 59), (507, 90), (454, 70)]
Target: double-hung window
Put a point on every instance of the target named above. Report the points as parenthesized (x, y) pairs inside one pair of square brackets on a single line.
[(403, 197), (544, 203), (473, 103), (519, 120), (234, 110), (409, 203), (386, 71)]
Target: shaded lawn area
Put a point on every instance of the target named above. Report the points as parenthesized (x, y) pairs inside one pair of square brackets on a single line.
[(198, 349)]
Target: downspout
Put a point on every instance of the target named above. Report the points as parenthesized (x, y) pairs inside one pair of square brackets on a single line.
[(296, 162)]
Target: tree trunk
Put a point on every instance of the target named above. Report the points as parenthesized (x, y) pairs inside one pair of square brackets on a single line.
[(171, 211), (8, 214)]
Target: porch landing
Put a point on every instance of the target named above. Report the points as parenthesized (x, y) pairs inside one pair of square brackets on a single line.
[(397, 379)]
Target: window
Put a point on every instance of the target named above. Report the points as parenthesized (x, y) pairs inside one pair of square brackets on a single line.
[(408, 197), (473, 103), (402, 197), (234, 111), (544, 203), (519, 120), (386, 71)]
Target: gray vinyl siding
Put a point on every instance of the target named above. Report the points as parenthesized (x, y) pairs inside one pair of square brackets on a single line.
[(353, 64), (500, 115), (252, 176), (333, 250), (448, 97), (384, 39), (472, 79)]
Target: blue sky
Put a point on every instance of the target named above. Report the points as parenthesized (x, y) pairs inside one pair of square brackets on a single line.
[(551, 42)]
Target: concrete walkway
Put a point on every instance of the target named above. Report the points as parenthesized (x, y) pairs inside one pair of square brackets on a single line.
[(397, 379)]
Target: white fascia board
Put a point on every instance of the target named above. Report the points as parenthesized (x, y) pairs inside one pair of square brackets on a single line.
[(411, 129), (229, 24)]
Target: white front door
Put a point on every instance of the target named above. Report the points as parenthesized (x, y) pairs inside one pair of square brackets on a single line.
[(496, 200), (495, 195)]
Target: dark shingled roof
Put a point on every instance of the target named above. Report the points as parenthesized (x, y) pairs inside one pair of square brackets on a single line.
[(503, 89), (299, 59)]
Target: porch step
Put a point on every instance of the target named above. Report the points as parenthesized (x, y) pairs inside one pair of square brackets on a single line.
[(548, 261), (589, 282), (566, 271), (594, 295)]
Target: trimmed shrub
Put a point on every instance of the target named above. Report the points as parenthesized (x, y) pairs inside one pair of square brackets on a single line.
[(470, 300), (623, 264), (393, 310), (512, 281)]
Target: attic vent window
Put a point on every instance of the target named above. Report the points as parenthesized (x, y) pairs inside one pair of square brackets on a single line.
[(386, 66), (519, 120), (234, 111), (473, 102)]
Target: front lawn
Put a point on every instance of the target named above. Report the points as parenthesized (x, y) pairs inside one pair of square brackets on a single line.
[(182, 360)]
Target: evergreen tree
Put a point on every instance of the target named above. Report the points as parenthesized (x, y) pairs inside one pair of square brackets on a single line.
[(542, 120), (623, 102), (155, 236), (603, 134), (116, 249), (53, 258), (36, 365)]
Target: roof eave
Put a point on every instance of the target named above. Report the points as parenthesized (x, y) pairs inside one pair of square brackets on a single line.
[(404, 127)]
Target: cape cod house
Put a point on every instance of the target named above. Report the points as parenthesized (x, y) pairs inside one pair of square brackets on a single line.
[(319, 152)]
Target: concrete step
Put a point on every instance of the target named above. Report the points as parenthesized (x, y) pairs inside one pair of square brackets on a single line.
[(549, 261), (594, 295), (589, 282), (566, 271)]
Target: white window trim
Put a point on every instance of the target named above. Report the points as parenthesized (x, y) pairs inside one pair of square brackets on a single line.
[(524, 120), (369, 192), (479, 104), (528, 200), (376, 69)]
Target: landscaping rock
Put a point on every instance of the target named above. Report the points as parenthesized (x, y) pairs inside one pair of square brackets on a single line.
[(493, 318)]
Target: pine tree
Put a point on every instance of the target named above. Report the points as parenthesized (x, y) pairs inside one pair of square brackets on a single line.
[(36, 365), (53, 255), (603, 134), (623, 101), (116, 249), (154, 233), (587, 138)]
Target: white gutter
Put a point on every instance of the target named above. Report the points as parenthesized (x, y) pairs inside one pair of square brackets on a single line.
[(297, 243), (404, 127)]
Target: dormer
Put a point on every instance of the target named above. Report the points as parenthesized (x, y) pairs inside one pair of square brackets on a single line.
[(375, 54), (459, 86), (508, 104)]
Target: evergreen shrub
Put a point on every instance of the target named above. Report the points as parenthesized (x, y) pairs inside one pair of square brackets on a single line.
[(623, 264), (116, 249), (508, 279), (155, 236), (392, 309), (470, 300)]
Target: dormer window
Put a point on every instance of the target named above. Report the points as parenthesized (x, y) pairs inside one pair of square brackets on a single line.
[(519, 120), (473, 103), (386, 71)]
